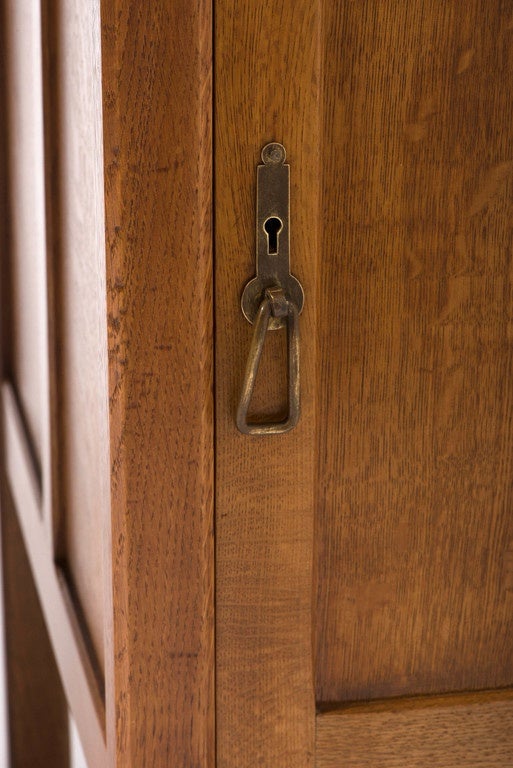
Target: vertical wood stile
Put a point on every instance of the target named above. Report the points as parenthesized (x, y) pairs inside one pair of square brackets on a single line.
[(157, 60), (267, 89)]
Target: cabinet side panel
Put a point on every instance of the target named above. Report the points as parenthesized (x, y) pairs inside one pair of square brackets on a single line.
[(157, 61)]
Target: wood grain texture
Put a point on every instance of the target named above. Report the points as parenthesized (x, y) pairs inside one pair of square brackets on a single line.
[(77, 213), (267, 89), (38, 713), (468, 731), (157, 102), (415, 452)]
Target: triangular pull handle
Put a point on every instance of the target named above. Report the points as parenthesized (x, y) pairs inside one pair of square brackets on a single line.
[(277, 305)]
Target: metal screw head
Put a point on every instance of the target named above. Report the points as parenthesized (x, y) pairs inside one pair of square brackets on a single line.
[(273, 154)]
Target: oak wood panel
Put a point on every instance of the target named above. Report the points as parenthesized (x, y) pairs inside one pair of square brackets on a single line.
[(466, 731), (267, 89), (26, 356), (37, 709), (157, 102), (80, 308), (415, 459), (81, 686)]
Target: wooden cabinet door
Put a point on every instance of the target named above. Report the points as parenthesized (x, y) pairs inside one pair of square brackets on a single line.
[(364, 603), (364, 566)]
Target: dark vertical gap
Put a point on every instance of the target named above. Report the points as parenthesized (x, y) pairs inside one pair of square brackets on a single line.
[(319, 449), (50, 36), (214, 378)]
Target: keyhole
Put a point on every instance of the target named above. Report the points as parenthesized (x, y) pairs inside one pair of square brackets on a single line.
[(272, 227)]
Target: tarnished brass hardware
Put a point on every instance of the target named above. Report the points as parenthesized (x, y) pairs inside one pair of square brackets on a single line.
[(272, 237), (274, 298), (274, 305)]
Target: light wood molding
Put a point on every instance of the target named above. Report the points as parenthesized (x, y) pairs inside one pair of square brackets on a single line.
[(76, 234), (83, 690)]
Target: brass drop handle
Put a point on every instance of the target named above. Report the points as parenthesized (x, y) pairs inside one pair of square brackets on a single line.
[(274, 305), (274, 298)]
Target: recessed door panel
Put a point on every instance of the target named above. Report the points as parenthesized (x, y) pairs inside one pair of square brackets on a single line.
[(415, 532)]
